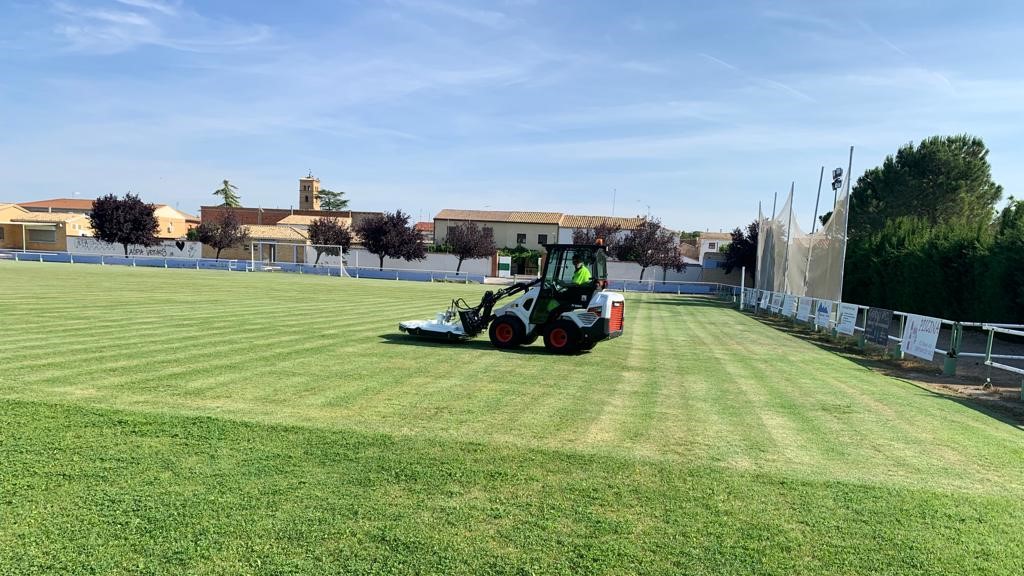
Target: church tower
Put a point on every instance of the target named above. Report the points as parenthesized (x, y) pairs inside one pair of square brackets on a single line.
[(309, 193)]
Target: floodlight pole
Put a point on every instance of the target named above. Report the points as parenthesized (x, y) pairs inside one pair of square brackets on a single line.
[(846, 223)]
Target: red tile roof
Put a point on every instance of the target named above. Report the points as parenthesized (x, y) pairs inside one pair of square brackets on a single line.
[(60, 204), (500, 216)]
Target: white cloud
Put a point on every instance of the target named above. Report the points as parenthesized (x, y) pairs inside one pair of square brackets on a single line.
[(135, 23), (486, 18), (157, 5)]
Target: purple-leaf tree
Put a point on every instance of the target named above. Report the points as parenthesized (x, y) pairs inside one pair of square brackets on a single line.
[(651, 244), (329, 236), (124, 221), (468, 240), (390, 235), (223, 233)]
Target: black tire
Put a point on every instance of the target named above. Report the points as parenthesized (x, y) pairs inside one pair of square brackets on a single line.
[(531, 338), (506, 332), (562, 337), (588, 345)]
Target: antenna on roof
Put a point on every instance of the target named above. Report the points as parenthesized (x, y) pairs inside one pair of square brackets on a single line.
[(310, 172)]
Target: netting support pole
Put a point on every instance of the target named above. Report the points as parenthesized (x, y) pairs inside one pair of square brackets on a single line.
[(814, 226), (846, 223), (789, 241), (743, 284)]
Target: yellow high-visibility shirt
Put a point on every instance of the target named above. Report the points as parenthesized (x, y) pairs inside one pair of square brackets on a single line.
[(581, 276)]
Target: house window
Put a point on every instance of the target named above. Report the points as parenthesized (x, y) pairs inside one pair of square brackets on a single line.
[(42, 236), (1, 232), (520, 238), (712, 245), (542, 238), (307, 198)]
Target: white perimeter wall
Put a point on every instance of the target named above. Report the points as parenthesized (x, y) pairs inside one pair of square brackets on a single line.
[(165, 249), (440, 262), (631, 271)]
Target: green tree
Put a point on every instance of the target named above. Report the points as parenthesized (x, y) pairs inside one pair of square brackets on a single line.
[(332, 200), (943, 179), (124, 221), (742, 250), (229, 195)]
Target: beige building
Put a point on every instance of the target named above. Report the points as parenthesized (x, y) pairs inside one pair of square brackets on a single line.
[(275, 243), (711, 242), (528, 229), (511, 229), (21, 229), (173, 223)]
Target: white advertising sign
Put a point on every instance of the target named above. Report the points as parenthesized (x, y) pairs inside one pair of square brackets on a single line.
[(765, 296), (776, 302), (920, 335), (803, 312), (847, 319), (823, 313), (165, 249), (789, 306)]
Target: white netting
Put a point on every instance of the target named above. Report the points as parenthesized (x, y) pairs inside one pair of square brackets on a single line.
[(795, 262)]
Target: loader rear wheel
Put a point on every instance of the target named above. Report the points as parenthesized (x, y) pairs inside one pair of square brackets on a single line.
[(506, 332), (562, 337)]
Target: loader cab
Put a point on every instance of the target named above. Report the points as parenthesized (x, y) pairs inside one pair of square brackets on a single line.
[(558, 294)]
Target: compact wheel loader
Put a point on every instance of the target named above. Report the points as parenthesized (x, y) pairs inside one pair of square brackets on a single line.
[(569, 317)]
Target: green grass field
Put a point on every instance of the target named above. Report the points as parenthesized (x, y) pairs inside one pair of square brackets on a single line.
[(178, 421)]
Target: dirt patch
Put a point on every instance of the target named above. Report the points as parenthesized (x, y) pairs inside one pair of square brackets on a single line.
[(1001, 397)]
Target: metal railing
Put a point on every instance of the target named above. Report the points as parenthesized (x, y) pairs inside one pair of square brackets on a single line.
[(236, 265), (678, 287), (756, 299)]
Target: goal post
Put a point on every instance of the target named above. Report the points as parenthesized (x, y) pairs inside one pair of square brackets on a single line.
[(273, 256)]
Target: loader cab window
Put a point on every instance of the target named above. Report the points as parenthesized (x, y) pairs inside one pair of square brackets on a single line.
[(560, 268), (558, 293)]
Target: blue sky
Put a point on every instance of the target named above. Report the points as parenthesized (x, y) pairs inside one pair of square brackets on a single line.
[(693, 111)]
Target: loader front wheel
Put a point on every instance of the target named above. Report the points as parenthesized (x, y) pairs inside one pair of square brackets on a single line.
[(562, 337), (506, 332)]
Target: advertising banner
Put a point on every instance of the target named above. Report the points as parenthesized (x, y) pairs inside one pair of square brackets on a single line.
[(847, 319), (776, 302), (920, 335), (823, 313), (789, 306), (876, 329), (803, 312)]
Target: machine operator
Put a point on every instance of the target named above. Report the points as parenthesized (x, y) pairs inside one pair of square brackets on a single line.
[(582, 274)]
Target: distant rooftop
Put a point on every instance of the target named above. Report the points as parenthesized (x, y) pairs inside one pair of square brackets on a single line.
[(500, 216)]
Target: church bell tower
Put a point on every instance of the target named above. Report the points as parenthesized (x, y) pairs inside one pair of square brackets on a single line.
[(309, 193)]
